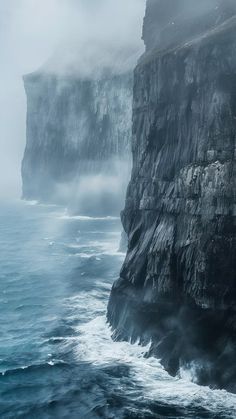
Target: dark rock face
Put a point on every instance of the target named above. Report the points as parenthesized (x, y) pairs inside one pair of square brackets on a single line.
[(177, 286), (77, 128)]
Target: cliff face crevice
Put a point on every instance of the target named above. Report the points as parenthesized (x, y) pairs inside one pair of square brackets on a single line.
[(77, 128), (177, 286)]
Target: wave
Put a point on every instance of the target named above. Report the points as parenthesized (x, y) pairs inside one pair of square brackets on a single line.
[(31, 203), (33, 367), (97, 249), (108, 233), (96, 346), (151, 381), (87, 218), (40, 204), (98, 256)]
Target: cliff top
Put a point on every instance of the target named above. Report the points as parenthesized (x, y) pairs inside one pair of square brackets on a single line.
[(224, 31), (169, 23), (42, 75)]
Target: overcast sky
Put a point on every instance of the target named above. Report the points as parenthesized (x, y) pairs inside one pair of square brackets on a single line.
[(30, 32)]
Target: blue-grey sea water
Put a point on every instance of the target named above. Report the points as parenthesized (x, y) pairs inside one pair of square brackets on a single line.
[(57, 358)]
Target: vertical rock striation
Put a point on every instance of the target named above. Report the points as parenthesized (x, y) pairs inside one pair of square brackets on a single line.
[(177, 286), (78, 128)]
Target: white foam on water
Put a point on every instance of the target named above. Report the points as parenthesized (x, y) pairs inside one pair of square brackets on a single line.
[(84, 255), (39, 204), (98, 248), (31, 203), (96, 346), (98, 255), (86, 305), (87, 218), (108, 233)]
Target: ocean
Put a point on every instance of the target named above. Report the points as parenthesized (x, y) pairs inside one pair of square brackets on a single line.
[(57, 358)]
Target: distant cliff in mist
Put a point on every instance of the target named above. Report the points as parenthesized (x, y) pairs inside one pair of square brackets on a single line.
[(177, 286), (78, 146)]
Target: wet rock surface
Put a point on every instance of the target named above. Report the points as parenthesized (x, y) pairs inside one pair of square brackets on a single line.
[(177, 286)]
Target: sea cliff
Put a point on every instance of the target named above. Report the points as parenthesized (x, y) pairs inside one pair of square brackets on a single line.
[(78, 146), (177, 287)]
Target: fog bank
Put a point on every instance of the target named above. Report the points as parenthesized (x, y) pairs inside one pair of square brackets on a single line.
[(75, 36)]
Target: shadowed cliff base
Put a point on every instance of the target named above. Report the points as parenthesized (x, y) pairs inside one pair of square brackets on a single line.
[(183, 336), (177, 286)]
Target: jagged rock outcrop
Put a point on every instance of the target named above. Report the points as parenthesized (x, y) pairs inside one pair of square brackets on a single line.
[(177, 286), (78, 140)]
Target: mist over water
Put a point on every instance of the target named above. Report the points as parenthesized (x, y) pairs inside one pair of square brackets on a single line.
[(99, 194)]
